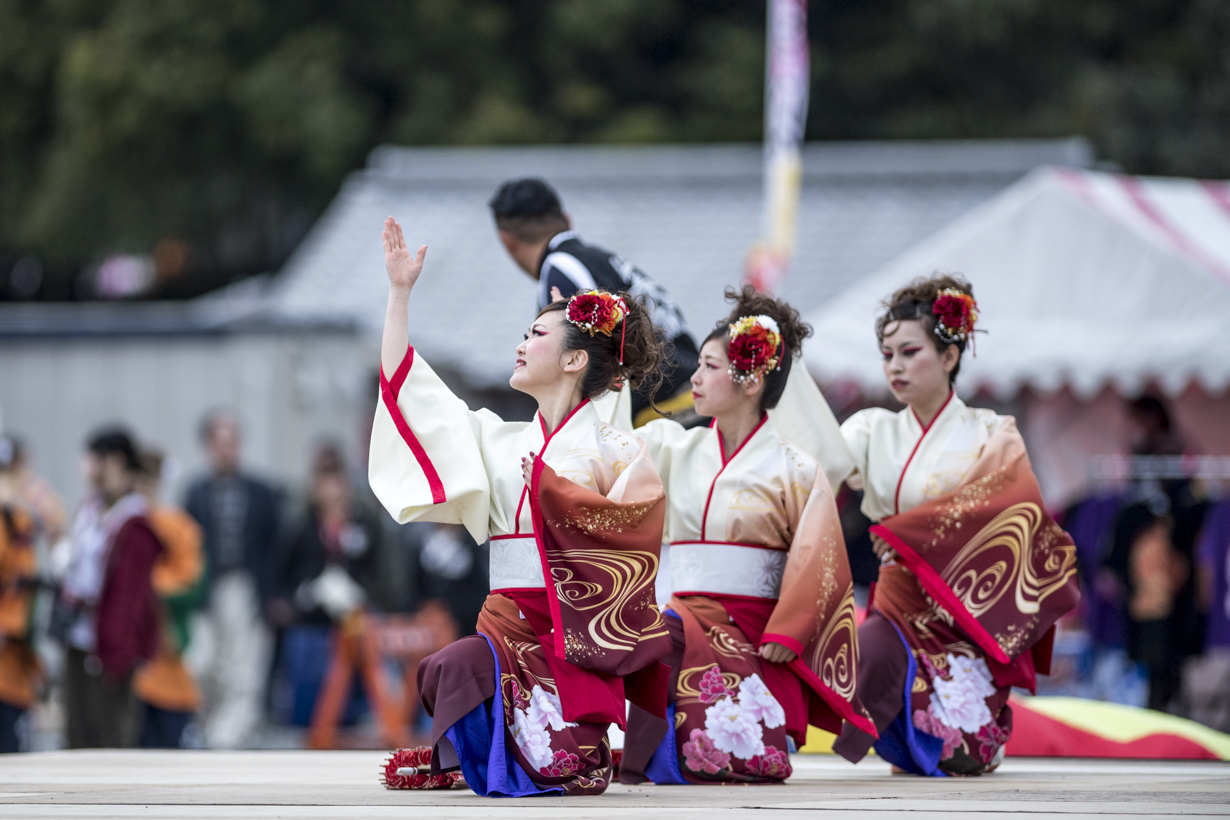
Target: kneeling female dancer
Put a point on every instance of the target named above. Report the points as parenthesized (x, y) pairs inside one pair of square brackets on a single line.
[(523, 707), (762, 617), (974, 571)]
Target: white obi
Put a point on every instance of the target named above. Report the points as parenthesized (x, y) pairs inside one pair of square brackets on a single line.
[(720, 568), (516, 563)]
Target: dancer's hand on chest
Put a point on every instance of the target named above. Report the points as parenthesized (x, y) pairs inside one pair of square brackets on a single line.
[(527, 467)]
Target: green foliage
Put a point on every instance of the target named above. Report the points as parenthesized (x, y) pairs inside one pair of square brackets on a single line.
[(1147, 80), (229, 123)]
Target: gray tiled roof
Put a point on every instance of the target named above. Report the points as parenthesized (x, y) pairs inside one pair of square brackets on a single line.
[(685, 214)]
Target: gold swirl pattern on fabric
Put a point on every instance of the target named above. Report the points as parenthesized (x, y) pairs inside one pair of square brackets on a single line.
[(522, 648), (835, 658), (801, 493), (999, 548), (584, 478), (631, 574), (726, 644), (999, 545), (689, 693), (580, 451), (751, 498)]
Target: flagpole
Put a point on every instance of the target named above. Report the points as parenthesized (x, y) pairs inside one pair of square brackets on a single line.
[(787, 69)]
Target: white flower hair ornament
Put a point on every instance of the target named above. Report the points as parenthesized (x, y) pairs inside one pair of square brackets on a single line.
[(755, 348)]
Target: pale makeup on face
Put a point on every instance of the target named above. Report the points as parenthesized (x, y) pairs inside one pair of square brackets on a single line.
[(714, 393), (538, 355), (916, 372)]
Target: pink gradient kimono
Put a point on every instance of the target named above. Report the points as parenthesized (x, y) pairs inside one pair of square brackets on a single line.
[(568, 650)]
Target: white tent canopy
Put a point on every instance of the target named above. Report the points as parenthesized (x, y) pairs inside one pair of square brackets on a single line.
[(1083, 279)]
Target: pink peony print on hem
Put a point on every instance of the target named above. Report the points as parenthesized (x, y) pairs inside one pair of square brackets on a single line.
[(564, 764), (700, 755), (713, 686), (957, 710), (735, 724), (773, 763), (532, 715), (991, 738), (959, 699), (733, 729), (926, 722)]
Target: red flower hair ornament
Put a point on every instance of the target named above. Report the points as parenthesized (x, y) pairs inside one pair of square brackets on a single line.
[(755, 348), (596, 311), (955, 314)]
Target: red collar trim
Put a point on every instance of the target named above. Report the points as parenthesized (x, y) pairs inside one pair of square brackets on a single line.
[(543, 423), (925, 428), (938, 413), (546, 439), (750, 436), (722, 453)]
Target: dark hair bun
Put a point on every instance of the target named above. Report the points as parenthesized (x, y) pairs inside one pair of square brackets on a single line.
[(750, 302)]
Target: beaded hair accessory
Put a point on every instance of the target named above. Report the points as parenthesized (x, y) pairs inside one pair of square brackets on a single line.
[(955, 314), (597, 311), (755, 348)]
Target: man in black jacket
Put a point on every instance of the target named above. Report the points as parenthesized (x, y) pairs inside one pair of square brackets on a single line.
[(328, 563), (239, 517), (538, 236)]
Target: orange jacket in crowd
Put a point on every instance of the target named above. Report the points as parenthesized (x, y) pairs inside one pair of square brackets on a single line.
[(19, 668), (165, 682)]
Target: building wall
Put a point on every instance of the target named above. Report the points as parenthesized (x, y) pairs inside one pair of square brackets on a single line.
[(291, 390)]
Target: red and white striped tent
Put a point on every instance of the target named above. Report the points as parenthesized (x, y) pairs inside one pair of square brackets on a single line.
[(1091, 286)]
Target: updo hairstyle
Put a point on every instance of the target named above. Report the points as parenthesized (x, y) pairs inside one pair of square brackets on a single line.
[(914, 302), (642, 349), (750, 302)]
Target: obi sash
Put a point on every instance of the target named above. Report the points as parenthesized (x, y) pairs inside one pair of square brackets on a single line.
[(723, 568), (515, 563)]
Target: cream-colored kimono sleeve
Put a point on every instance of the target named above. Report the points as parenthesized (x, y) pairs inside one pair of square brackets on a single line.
[(803, 418), (426, 459), (666, 441), (856, 431)]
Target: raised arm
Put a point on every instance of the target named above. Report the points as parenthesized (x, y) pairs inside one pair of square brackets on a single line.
[(426, 460), (403, 270)]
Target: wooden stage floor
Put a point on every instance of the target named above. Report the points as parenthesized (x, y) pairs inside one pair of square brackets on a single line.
[(238, 785)]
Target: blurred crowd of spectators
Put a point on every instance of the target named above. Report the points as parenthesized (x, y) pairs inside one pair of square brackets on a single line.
[(1153, 628), (142, 623)]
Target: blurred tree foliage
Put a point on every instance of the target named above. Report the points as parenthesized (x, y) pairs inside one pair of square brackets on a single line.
[(228, 124)]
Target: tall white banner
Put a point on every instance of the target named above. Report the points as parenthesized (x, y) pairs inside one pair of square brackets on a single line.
[(786, 90)]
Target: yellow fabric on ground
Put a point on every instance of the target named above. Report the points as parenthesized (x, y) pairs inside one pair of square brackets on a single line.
[(1123, 724), (819, 742), (1112, 721)]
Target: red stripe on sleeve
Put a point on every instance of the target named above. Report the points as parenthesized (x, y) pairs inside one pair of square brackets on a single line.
[(390, 389)]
